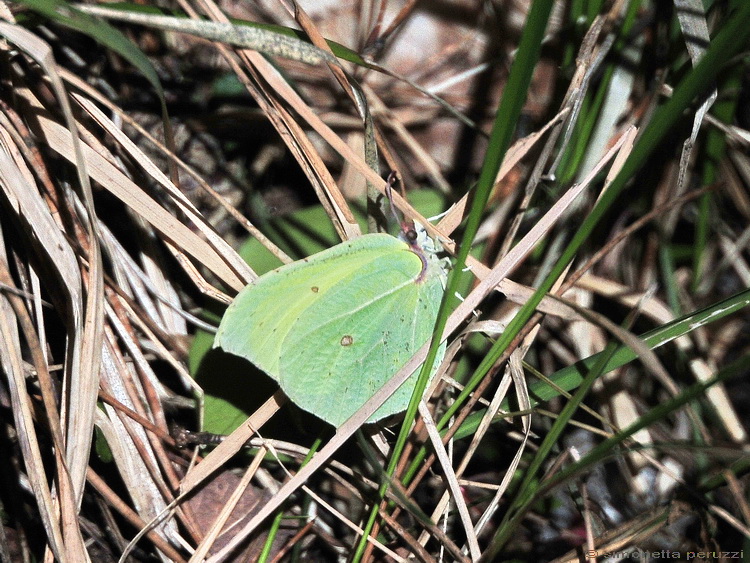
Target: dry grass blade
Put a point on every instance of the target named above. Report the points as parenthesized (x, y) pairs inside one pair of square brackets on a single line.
[(182, 165), (270, 99), (28, 204), (391, 121), (81, 381), (232, 444), (514, 366), (451, 478), (125, 189), (350, 86), (692, 20), (220, 246), (10, 355)]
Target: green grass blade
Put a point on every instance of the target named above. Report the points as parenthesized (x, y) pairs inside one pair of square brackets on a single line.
[(100, 31), (570, 378)]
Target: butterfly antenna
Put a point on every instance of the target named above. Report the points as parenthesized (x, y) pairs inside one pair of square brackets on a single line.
[(407, 225), (392, 179), (408, 231)]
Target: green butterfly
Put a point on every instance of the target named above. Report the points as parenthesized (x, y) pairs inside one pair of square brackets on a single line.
[(333, 328)]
